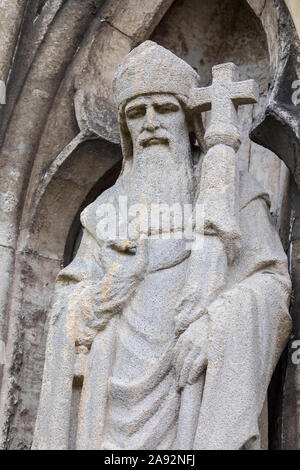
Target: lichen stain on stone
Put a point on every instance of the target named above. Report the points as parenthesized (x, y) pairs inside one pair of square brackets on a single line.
[(105, 287)]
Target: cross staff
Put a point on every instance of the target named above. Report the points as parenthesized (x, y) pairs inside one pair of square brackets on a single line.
[(223, 97), (218, 197)]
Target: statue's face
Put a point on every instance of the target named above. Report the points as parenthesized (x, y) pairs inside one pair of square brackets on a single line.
[(155, 120)]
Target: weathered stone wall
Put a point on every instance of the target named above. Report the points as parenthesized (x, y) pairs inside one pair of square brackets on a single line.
[(59, 150)]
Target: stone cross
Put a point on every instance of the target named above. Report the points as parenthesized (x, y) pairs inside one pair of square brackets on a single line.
[(219, 172), (223, 97)]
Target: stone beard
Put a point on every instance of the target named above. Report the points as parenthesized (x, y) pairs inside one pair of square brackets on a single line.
[(158, 370), (161, 150)]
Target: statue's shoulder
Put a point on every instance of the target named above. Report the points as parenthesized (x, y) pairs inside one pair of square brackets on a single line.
[(88, 216), (250, 189)]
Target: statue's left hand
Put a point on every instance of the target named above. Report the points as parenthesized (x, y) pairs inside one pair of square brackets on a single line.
[(190, 352)]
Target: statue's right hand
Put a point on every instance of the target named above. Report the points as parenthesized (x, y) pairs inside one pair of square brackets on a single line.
[(99, 301), (126, 259)]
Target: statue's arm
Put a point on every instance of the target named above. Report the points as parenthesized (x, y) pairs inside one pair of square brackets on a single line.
[(256, 306), (98, 283), (260, 280), (249, 325), (258, 288), (70, 289), (262, 255)]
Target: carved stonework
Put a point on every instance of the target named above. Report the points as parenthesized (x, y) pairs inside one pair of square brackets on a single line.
[(62, 152), (172, 334)]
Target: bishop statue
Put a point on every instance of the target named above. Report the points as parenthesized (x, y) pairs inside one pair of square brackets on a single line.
[(172, 334)]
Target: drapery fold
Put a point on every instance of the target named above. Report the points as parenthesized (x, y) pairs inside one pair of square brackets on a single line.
[(249, 326)]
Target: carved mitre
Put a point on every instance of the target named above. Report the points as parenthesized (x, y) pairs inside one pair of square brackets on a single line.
[(150, 68)]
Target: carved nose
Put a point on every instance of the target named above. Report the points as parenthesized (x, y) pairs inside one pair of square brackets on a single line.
[(151, 123)]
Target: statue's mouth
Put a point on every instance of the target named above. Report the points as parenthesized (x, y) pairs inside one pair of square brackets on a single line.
[(154, 141)]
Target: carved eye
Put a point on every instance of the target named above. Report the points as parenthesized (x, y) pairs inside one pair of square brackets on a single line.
[(136, 112), (166, 108)]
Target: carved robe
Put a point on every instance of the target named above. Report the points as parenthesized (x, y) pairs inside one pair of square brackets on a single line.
[(129, 397)]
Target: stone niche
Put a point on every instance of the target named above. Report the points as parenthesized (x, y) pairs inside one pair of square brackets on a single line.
[(69, 144)]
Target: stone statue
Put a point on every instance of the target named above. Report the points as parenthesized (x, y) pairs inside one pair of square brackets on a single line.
[(174, 336)]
